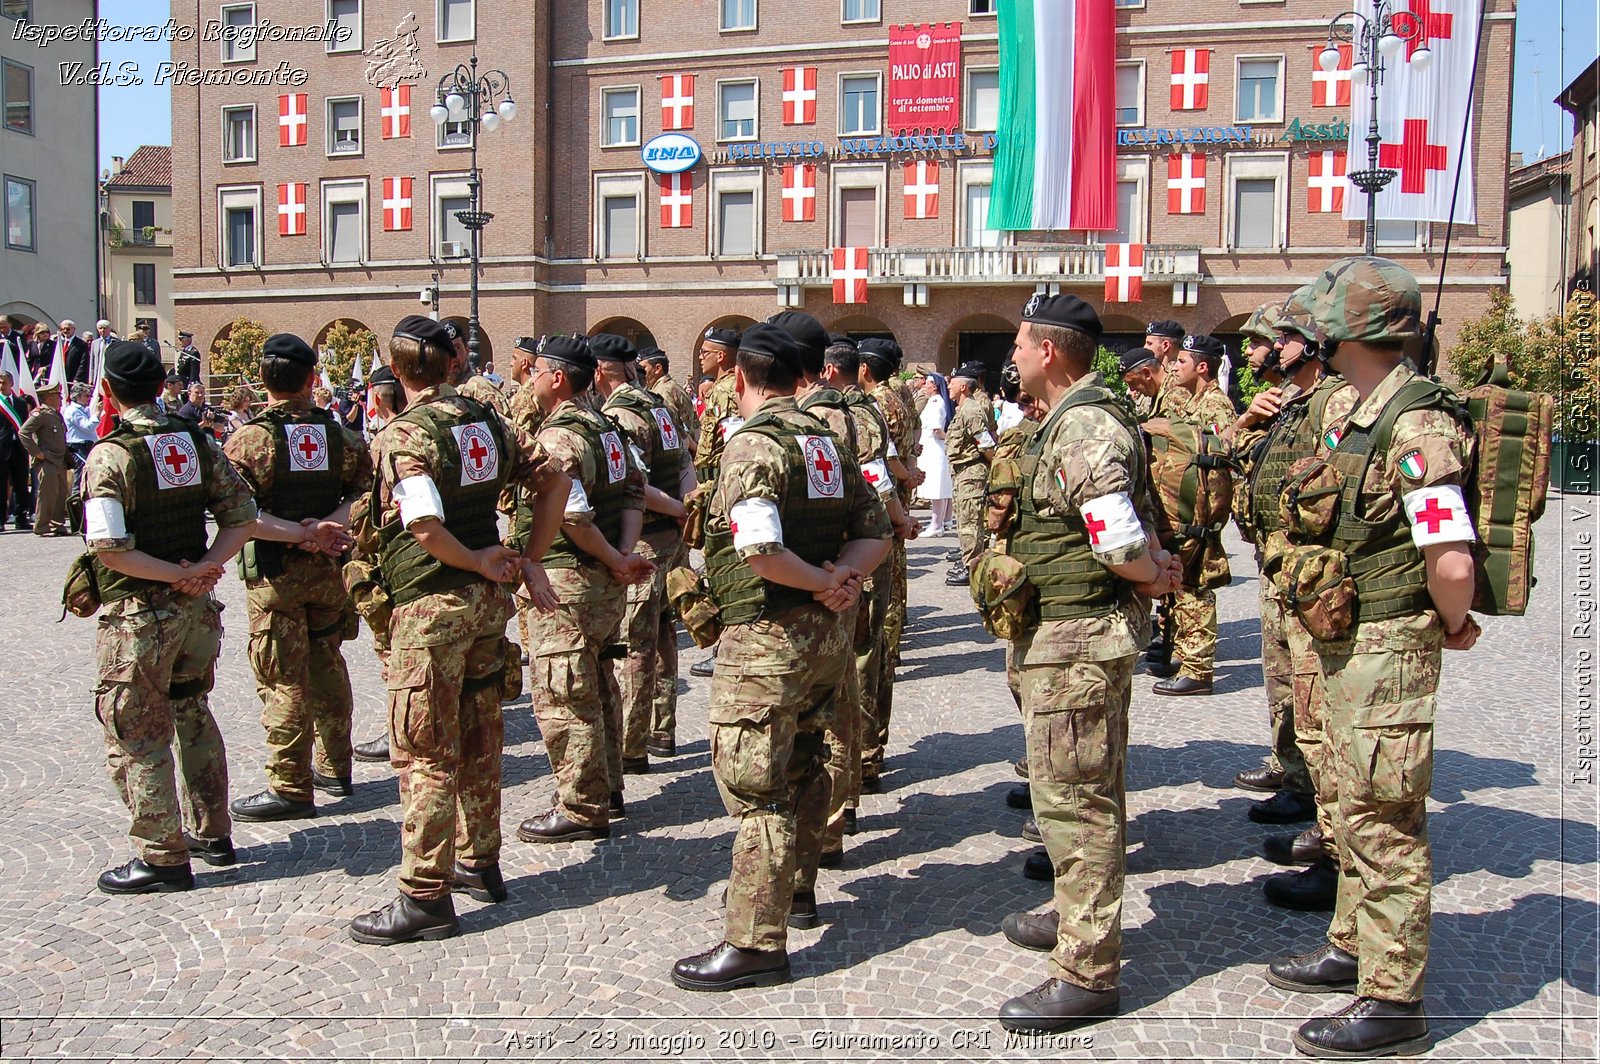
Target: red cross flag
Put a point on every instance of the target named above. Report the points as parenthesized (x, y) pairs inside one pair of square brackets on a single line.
[(396, 204), (677, 101), (922, 189), (799, 96), (800, 193), (1191, 78), (292, 210), (1186, 184), (850, 275), (1325, 181), (677, 200), (1124, 273), (1421, 113), (394, 108), (1331, 88), (292, 120)]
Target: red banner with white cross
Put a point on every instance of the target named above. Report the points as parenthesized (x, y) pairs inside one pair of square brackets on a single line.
[(677, 101), (1186, 184), (800, 193), (396, 204), (1326, 182), (922, 189), (1124, 273), (394, 112), (850, 275), (677, 200), (799, 96), (1191, 79), (292, 120), (1331, 88), (292, 209)]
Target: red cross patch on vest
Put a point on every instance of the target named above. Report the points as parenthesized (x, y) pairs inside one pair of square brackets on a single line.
[(669, 431), (480, 459), (308, 448), (177, 463), (615, 456), (823, 478)]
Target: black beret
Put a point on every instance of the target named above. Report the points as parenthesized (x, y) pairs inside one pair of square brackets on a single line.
[(841, 338), (425, 331), (1209, 347), (803, 329), (1064, 312), (609, 347), (775, 343), (382, 375), (728, 338), (1135, 357), (182, 335), (291, 347), (130, 362), (573, 350), (886, 351), (972, 371), (173, 378), (1166, 327), (652, 354), (453, 329), (528, 345)]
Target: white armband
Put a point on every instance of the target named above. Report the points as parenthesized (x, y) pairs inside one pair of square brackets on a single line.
[(894, 452), (104, 519), (876, 474), (985, 441), (577, 500), (1438, 515), (755, 522), (1112, 522), (418, 498)]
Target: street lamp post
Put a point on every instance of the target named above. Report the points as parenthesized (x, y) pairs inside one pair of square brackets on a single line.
[(483, 101), (1372, 41)]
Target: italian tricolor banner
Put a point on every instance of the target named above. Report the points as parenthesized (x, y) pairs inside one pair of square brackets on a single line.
[(1055, 163)]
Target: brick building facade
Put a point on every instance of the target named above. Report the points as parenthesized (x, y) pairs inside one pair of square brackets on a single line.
[(586, 236)]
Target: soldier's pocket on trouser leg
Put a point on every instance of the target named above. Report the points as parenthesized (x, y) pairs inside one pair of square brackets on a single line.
[(1394, 761), (413, 717)]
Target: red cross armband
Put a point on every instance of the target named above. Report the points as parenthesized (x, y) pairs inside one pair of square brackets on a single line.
[(1112, 523), (755, 523), (1438, 514)]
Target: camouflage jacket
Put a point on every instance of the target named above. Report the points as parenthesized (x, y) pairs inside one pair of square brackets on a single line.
[(970, 432), (483, 390), (721, 417), (572, 455), (680, 403)]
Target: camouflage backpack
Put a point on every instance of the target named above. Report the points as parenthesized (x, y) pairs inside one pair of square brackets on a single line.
[(1511, 474), (1192, 479)]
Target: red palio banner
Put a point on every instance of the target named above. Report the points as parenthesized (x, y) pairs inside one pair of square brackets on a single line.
[(925, 78)]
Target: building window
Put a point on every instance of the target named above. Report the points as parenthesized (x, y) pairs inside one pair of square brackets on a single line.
[(144, 218), (983, 99), (346, 16), (344, 126), (1258, 91), (239, 134), (1128, 3), (737, 15), (344, 221), (17, 88), (619, 216), (457, 21), (858, 104), (452, 240), (19, 214), (736, 110), (735, 214), (975, 181), (240, 209), (1130, 94), (21, 10), (621, 110), (622, 19), (859, 193), (980, 8), (453, 134), (144, 284), (1395, 234), (862, 11), (236, 20), (1253, 199)]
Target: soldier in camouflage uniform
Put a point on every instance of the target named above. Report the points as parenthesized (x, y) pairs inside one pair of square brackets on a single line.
[(441, 466), (659, 381), (1403, 527), (969, 442), (576, 646), (791, 533), (1194, 607), (305, 467), (147, 488), (1088, 552), (386, 400), (718, 420), (656, 440), (466, 378)]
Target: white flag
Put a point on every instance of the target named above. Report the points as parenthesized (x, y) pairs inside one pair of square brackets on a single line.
[(326, 383), (375, 364), (1420, 116), (355, 372)]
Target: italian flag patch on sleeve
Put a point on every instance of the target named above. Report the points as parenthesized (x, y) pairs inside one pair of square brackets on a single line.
[(1413, 465)]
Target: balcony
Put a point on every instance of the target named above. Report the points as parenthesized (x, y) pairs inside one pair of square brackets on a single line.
[(1057, 264)]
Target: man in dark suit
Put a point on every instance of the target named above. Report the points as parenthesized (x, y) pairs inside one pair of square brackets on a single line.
[(188, 358), (76, 349), (14, 481)]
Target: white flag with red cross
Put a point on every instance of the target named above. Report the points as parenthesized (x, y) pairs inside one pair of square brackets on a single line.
[(1191, 79), (1326, 181), (292, 209), (800, 193), (677, 200), (396, 204), (922, 189), (1124, 273), (1186, 184), (1331, 88), (394, 110), (1421, 112), (677, 101), (850, 275), (292, 120), (799, 96)]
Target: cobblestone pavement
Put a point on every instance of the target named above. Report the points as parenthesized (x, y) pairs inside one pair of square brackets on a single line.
[(256, 963)]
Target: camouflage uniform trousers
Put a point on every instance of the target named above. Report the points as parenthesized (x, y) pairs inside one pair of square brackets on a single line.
[(1194, 631), (971, 496), (1076, 719), (1278, 676), (639, 673), (445, 673), (843, 733), (1311, 725), (874, 671), (156, 661), (575, 693), (664, 711), (297, 623), (771, 698), (1381, 700)]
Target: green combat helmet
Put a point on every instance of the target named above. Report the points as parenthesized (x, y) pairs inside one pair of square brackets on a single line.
[(1296, 316), (1259, 325), (1365, 298)]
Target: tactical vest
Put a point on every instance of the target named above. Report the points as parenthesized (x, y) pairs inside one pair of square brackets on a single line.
[(666, 468), (168, 523), (1069, 579), (605, 498), (296, 493), (1293, 436), (833, 399), (409, 571), (856, 399), (814, 529), (1389, 570)]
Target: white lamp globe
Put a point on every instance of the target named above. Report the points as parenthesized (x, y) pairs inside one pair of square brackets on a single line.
[(457, 105), (491, 121), (508, 109), (1328, 58), (1422, 57), (1390, 44), (439, 113)]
